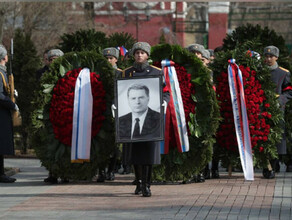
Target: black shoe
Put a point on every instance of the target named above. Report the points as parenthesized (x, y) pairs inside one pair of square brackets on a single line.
[(215, 174), (146, 192), (200, 178), (51, 179), (127, 169), (268, 174), (207, 174), (100, 178), (134, 182), (6, 179), (110, 176), (64, 180), (138, 189)]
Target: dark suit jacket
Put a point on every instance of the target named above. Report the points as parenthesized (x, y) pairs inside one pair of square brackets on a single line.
[(150, 130)]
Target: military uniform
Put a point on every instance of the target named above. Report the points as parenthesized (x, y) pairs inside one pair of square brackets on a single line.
[(281, 78), (144, 154), (6, 127)]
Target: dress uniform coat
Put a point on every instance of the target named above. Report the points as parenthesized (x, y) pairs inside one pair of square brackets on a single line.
[(144, 153), (6, 105), (281, 77)]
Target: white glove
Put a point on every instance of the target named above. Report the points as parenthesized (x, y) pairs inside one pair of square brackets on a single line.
[(164, 104), (15, 93), (16, 108), (113, 109)]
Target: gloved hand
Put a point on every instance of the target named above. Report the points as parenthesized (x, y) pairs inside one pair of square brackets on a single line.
[(113, 109), (16, 108), (164, 104), (15, 93)]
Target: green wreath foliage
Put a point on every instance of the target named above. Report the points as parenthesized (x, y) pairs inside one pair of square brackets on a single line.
[(203, 123), (54, 155), (220, 65)]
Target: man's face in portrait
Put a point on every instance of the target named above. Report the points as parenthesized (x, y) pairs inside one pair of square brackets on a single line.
[(138, 100), (140, 56), (270, 60), (112, 60)]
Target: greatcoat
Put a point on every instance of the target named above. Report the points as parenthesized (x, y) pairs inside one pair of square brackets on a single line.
[(6, 105), (281, 77), (144, 153)]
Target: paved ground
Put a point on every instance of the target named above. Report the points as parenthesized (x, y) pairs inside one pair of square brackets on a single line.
[(224, 198)]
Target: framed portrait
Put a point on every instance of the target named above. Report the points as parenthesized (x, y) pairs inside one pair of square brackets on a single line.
[(139, 116)]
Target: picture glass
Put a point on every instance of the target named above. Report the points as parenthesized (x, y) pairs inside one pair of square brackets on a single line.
[(139, 115)]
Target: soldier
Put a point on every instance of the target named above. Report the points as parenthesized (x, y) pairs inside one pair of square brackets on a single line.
[(45, 68), (6, 106), (144, 154), (112, 55), (52, 55), (281, 78), (197, 49), (206, 57), (212, 55)]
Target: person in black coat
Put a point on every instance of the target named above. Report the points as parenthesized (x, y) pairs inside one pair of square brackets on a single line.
[(144, 154), (282, 79), (6, 106), (112, 56)]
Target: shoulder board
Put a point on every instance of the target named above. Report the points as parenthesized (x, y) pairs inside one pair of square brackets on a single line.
[(156, 67), (128, 68), (284, 69)]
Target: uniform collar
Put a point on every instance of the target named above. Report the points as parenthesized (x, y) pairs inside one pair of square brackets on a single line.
[(275, 66), (3, 68), (140, 66)]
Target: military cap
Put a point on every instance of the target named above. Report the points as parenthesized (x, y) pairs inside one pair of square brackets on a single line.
[(211, 52), (55, 53), (111, 51), (196, 48), (3, 52), (271, 50), (141, 46), (206, 54)]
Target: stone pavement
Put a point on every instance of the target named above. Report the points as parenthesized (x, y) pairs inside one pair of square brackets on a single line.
[(224, 198)]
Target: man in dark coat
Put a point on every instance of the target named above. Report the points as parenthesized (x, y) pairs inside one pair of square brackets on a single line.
[(281, 78), (148, 120), (6, 106), (144, 154)]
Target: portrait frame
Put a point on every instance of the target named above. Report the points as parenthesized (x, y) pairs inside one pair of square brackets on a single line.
[(127, 93)]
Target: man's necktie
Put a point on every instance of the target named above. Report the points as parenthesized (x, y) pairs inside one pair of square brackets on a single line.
[(136, 132)]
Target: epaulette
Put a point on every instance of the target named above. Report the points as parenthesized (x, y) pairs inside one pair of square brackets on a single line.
[(128, 68), (124, 72), (156, 67), (284, 69)]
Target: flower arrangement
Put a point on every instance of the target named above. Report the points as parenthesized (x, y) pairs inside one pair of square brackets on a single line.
[(263, 114), (52, 118), (201, 111), (61, 110)]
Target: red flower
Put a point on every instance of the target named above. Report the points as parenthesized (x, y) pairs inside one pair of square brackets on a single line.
[(61, 110), (257, 111)]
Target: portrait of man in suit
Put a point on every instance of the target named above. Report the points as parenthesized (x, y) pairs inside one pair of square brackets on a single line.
[(142, 123)]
